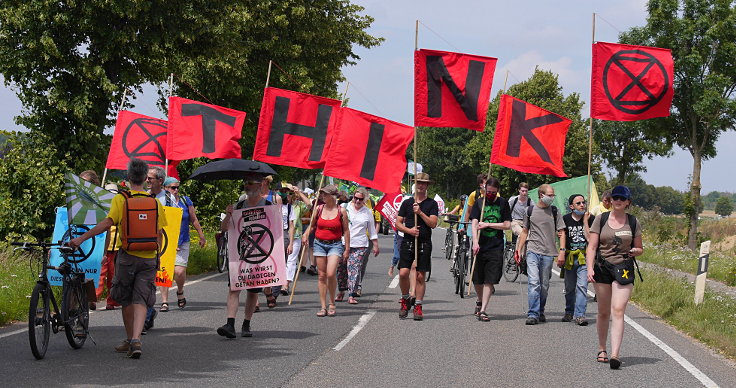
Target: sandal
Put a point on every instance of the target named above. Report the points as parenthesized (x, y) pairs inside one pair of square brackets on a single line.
[(322, 312), (477, 309), (352, 300), (340, 296), (603, 358), (271, 301), (164, 307), (331, 310), (181, 302), (258, 309), (482, 316)]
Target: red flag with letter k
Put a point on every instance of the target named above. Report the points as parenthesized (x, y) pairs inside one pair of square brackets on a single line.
[(529, 138)]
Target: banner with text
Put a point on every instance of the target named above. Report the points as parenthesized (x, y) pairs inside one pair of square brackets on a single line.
[(389, 206), (90, 257)]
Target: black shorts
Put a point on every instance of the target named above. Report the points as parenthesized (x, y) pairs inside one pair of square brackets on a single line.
[(488, 267), (406, 255), (601, 274)]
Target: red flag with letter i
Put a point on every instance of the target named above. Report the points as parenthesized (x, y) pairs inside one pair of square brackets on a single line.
[(452, 89), (529, 138), (631, 82)]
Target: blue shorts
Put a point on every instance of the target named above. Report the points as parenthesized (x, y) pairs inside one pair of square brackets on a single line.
[(325, 248)]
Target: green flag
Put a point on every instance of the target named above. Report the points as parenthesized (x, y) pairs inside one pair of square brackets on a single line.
[(564, 189), (87, 204)]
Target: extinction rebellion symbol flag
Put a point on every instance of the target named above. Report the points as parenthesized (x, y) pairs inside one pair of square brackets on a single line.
[(137, 136), (631, 82)]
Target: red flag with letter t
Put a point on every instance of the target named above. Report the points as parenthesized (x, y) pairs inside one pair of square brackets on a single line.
[(366, 149), (452, 89), (631, 82), (137, 136), (529, 138), (295, 129), (198, 129)]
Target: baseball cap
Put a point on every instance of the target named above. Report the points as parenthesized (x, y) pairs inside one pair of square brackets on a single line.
[(621, 191)]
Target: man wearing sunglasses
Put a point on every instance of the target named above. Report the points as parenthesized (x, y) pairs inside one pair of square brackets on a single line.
[(577, 227)]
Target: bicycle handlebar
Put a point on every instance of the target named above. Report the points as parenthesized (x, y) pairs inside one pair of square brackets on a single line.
[(45, 245)]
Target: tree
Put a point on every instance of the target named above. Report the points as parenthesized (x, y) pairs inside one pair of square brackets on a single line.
[(724, 207), (624, 145), (702, 37)]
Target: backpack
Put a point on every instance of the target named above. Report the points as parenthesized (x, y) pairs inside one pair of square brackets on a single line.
[(139, 222), (529, 211), (632, 225), (528, 203)]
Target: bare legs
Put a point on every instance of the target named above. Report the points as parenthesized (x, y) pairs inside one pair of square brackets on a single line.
[(612, 301), (327, 279)]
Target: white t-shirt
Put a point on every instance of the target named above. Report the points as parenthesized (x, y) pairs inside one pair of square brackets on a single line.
[(360, 222), (285, 213)]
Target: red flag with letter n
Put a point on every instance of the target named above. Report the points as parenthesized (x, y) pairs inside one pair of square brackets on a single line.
[(452, 89), (529, 138), (295, 129), (198, 129), (631, 82), (366, 149)]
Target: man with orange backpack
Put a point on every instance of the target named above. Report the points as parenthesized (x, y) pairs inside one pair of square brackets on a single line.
[(139, 218)]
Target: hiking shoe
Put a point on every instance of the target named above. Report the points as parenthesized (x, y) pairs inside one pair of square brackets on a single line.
[(149, 323), (245, 330), (418, 316), (404, 312), (567, 318), (226, 331), (134, 351), (123, 347), (531, 321), (542, 318), (581, 321)]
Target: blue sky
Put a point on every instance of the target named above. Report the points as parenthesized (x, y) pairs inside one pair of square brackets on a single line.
[(522, 35)]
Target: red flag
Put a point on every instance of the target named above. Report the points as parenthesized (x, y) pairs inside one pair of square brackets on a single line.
[(295, 129), (631, 82), (198, 129), (137, 136), (529, 138), (452, 89), (366, 149), (389, 206)]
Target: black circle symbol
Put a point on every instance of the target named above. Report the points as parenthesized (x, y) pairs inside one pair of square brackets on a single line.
[(150, 148), (255, 244), (164, 241), (80, 254), (639, 83)]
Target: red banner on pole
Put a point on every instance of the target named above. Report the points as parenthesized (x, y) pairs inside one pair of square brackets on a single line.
[(389, 206), (529, 138), (198, 129), (295, 129), (366, 149), (137, 136), (631, 82), (452, 89)]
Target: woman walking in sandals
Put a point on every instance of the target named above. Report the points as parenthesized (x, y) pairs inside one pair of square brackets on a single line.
[(330, 226), (616, 235)]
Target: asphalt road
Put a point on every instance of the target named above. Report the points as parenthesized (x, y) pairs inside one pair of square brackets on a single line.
[(367, 345)]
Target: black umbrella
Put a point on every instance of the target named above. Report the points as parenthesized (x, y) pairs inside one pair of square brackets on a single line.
[(231, 169)]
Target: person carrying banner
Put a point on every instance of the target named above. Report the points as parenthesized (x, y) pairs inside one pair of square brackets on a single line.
[(295, 199), (518, 204), (577, 226), (133, 286), (330, 226), (362, 231), (189, 216), (155, 180), (616, 236), (253, 184), (416, 233), (488, 243), (604, 205), (537, 242)]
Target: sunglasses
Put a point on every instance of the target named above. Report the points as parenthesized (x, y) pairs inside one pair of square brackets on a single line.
[(358, 199), (252, 182), (619, 198), (580, 203), (174, 187)]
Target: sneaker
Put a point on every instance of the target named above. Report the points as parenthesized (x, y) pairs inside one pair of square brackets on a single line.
[(312, 270), (418, 316), (567, 318), (226, 331), (149, 323), (581, 321), (134, 351), (404, 312), (542, 318), (245, 330), (123, 347), (531, 321)]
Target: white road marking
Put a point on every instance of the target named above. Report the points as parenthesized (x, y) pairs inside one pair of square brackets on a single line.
[(356, 329), (394, 282), (705, 380)]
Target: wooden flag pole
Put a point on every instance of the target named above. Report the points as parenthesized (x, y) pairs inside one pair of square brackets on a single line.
[(268, 75), (416, 238), (120, 107), (590, 133), (171, 87)]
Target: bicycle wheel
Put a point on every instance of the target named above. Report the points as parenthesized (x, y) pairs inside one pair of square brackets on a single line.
[(461, 260), (75, 313), (39, 320), (510, 269), (222, 254), (449, 243)]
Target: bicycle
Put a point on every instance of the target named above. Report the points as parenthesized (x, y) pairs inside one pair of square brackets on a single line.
[(510, 267), (450, 236), (73, 316), (221, 239), (461, 266)]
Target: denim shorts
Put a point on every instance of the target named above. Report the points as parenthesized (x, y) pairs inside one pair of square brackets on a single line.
[(328, 249)]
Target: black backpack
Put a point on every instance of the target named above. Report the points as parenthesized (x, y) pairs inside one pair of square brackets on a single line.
[(632, 225), (529, 211), (528, 202)]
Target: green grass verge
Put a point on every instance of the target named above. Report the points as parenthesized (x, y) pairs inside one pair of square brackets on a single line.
[(721, 266), (202, 260), (712, 322)]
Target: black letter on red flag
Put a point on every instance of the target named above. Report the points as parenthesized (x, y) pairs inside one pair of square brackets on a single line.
[(209, 117), (375, 138), (437, 73), (280, 127), (521, 127)]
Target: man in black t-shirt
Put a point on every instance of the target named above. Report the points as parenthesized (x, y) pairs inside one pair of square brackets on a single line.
[(426, 211), (488, 243), (577, 227)]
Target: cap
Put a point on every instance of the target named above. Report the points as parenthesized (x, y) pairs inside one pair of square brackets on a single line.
[(329, 189), (170, 181), (621, 191), (423, 177)]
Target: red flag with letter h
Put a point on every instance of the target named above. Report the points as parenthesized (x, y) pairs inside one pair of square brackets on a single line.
[(631, 82), (452, 89), (529, 138)]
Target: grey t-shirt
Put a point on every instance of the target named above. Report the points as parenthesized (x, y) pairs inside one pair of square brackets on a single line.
[(614, 244), (542, 237), (518, 210)]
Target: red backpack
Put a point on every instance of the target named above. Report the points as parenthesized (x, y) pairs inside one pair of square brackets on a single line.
[(139, 222)]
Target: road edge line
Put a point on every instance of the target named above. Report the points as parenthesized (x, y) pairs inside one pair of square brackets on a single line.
[(356, 329)]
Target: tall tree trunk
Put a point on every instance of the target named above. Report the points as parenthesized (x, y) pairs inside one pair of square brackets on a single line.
[(692, 236)]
